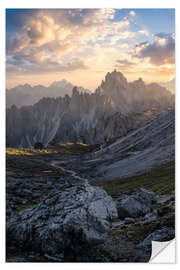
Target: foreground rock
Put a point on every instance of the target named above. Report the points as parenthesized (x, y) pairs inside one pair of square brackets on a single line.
[(68, 220), (161, 235), (137, 204)]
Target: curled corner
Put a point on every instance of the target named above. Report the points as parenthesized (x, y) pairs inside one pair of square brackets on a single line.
[(163, 252)]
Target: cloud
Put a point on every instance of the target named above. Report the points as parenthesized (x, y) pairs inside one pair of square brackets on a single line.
[(47, 66), (121, 36), (143, 32), (132, 13), (65, 24), (124, 63), (59, 40), (161, 51), (53, 36)]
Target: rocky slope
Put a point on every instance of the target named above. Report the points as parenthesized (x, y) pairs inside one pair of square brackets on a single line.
[(141, 150), (53, 215), (113, 110)]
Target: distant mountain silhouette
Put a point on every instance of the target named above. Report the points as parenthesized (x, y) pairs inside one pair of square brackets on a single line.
[(25, 95)]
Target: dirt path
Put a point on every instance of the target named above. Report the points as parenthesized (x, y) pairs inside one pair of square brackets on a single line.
[(56, 164)]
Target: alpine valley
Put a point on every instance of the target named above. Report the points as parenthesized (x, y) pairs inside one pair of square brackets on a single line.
[(90, 175)]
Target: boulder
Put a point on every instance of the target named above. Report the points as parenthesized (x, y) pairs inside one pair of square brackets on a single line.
[(163, 210), (131, 207), (129, 220), (149, 217), (136, 205), (131, 234), (146, 196), (71, 219), (161, 235)]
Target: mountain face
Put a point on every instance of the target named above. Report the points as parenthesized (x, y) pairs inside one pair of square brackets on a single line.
[(114, 109), (25, 95), (134, 96), (141, 150)]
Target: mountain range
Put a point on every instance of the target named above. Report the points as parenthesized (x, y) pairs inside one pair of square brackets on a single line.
[(114, 109), (108, 156), (25, 95)]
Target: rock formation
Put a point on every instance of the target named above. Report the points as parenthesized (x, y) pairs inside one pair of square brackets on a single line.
[(136, 205), (161, 235), (113, 110), (143, 149), (74, 218)]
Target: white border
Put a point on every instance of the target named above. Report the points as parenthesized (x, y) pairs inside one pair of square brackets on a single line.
[(75, 4), (164, 252)]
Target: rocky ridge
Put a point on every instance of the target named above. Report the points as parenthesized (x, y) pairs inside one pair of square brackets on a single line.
[(114, 109), (26, 95)]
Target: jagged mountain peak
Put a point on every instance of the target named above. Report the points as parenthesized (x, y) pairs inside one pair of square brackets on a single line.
[(116, 75), (130, 96), (139, 82), (113, 80), (90, 116), (77, 90)]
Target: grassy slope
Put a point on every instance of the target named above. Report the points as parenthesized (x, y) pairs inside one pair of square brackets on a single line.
[(160, 180), (29, 160), (58, 148)]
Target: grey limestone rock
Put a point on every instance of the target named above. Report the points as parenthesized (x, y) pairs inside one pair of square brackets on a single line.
[(161, 235), (137, 204), (115, 108), (77, 217)]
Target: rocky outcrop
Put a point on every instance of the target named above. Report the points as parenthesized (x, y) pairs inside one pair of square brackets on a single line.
[(134, 96), (114, 109), (161, 235), (137, 204), (146, 196), (77, 217)]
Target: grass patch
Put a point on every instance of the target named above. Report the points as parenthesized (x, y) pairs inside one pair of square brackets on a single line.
[(30, 165), (141, 232), (58, 148), (160, 180), (72, 148), (27, 151), (168, 220), (25, 206)]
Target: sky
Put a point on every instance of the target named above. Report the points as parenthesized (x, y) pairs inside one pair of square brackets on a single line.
[(82, 45)]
